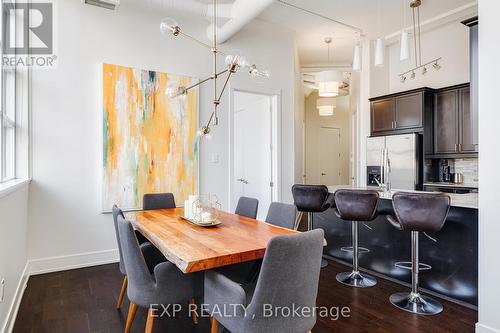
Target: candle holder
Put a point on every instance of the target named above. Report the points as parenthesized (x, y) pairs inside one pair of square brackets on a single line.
[(205, 210)]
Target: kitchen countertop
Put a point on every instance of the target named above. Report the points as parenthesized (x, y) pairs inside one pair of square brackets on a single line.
[(443, 184), (469, 200)]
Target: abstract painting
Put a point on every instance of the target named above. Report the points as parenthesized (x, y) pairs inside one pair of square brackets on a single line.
[(149, 142)]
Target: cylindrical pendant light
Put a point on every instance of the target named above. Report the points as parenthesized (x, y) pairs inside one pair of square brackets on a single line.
[(326, 106), (379, 52), (328, 83), (404, 53), (356, 61)]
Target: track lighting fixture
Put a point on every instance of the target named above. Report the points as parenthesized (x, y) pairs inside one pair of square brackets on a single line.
[(415, 6)]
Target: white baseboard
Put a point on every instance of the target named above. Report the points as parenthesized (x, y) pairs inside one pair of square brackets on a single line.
[(480, 328), (8, 325), (54, 264), (73, 261)]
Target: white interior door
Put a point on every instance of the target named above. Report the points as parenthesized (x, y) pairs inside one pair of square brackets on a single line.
[(253, 149), (329, 160)]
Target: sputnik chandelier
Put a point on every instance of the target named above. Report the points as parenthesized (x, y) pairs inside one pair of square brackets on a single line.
[(234, 62)]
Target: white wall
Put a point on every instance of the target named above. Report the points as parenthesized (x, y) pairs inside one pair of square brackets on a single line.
[(65, 207), (449, 41), (299, 128), (363, 78), (13, 252), (489, 160), (313, 146)]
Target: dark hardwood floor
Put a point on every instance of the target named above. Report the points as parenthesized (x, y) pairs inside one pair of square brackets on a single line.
[(83, 300)]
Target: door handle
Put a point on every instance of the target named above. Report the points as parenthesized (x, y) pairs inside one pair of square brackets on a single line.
[(323, 174), (244, 181), (460, 147), (456, 148)]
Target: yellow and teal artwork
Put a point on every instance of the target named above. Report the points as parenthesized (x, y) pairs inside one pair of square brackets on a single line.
[(149, 142)]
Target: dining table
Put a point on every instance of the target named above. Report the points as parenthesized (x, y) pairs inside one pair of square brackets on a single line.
[(194, 248)]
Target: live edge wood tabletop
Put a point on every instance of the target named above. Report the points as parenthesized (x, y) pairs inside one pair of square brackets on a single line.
[(192, 248)]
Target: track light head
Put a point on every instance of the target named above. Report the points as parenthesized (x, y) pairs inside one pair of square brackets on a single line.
[(424, 70), (412, 76), (403, 79), (436, 66)]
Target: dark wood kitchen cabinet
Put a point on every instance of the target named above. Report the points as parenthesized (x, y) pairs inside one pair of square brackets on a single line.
[(383, 115), (466, 121), (454, 122), (400, 113), (445, 122)]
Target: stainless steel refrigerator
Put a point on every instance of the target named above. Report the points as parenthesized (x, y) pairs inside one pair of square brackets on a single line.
[(395, 159)]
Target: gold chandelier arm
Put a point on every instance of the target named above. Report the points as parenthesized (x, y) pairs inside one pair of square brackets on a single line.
[(196, 40), (216, 102), (224, 86), (211, 77)]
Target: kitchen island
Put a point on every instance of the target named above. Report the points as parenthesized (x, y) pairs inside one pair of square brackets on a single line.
[(452, 252)]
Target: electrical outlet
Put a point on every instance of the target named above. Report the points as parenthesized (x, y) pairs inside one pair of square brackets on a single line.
[(2, 290)]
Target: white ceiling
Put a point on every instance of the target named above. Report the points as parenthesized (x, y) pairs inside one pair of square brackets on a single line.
[(311, 30), (364, 14)]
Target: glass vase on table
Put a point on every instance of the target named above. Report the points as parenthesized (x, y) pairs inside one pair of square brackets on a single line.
[(205, 210)]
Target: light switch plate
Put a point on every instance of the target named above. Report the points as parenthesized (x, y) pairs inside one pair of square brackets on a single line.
[(215, 158)]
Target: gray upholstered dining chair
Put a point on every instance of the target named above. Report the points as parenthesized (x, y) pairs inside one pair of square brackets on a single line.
[(282, 215), (151, 254), (166, 285), (158, 201), (279, 214), (289, 277), (247, 207)]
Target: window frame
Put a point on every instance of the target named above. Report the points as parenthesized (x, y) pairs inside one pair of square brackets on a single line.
[(6, 122)]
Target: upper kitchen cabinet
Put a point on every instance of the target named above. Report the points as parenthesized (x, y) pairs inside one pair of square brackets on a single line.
[(471, 138), (446, 122), (454, 124), (383, 115), (467, 123), (400, 113)]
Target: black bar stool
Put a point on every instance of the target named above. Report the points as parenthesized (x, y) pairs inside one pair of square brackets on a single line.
[(418, 212), (356, 206), (310, 199)]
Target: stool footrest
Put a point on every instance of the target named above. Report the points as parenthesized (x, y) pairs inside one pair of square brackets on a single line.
[(408, 265), (350, 249)]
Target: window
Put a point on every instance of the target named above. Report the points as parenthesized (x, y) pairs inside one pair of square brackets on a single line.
[(8, 126)]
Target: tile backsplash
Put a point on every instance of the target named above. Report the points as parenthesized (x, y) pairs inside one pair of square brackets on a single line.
[(468, 167)]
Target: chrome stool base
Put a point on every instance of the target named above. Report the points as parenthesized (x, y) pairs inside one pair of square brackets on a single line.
[(416, 303), (409, 265), (324, 263), (350, 249), (355, 279)]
